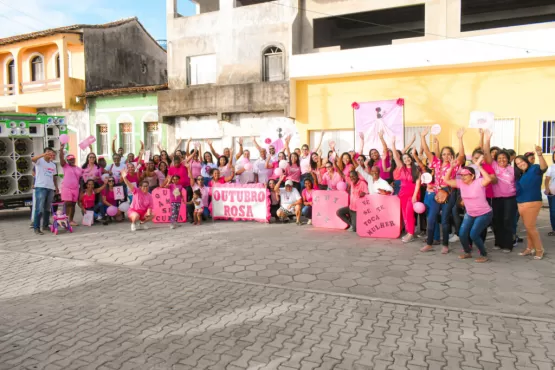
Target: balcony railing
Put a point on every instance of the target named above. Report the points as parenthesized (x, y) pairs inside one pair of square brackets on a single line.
[(39, 86), (7, 90)]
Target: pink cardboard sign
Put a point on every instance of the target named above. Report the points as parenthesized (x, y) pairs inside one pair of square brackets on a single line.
[(325, 204), (162, 209), (379, 216)]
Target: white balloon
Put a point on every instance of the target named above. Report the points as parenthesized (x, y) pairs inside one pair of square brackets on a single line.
[(436, 129), (426, 178), (124, 207), (283, 164)]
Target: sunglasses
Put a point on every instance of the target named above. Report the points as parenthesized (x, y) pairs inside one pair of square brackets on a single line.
[(111, 181), (200, 179), (329, 167)]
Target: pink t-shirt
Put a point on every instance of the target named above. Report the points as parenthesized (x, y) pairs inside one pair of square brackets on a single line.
[(141, 201), (294, 173), (72, 174), (404, 175), (182, 172), (110, 197), (173, 197), (347, 170), (205, 193), (361, 185), (440, 170), (506, 186), (474, 197), (307, 195), (379, 163), (221, 180), (196, 168), (331, 181), (91, 173), (225, 172)]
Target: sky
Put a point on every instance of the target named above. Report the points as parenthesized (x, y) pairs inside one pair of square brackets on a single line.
[(24, 16)]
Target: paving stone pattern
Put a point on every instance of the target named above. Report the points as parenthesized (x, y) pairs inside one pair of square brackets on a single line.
[(309, 258), (64, 314)]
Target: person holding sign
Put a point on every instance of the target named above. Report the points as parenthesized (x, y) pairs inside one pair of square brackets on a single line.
[(140, 211), (443, 200), (359, 189), (290, 201), (478, 211), (109, 199), (529, 200), (408, 173)]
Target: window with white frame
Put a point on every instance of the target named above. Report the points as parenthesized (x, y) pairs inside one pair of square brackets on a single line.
[(410, 131), (273, 64), (504, 133), (152, 137), (344, 140), (202, 69), (126, 137), (547, 137), (102, 144), (37, 69)]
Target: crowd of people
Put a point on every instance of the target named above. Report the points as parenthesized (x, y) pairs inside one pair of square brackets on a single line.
[(462, 198)]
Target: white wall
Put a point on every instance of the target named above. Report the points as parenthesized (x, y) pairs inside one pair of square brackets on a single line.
[(520, 45)]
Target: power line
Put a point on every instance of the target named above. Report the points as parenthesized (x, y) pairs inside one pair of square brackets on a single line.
[(22, 12), (409, 30), (23, 24)]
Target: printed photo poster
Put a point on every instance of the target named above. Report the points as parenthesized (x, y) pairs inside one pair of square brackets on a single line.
[(373, 117)]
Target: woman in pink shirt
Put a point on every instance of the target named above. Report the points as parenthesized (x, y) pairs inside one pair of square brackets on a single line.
[(306, 211), (194, 163), (345, 164), (478, 211), (332, 177), (440, 167), (376, 159), (293, 172), (141, 206), (408, 173), (91, 170), (70, 184), (504, 195)]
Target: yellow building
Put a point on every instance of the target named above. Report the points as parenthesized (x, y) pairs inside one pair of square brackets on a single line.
[(446, 58)]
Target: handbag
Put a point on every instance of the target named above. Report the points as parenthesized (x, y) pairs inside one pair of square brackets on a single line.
[(442, 196)]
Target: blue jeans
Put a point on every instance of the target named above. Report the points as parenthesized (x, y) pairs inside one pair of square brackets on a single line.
[(551, 200), (307, 212), (428, 199), (43, 204), (471, 229), (435, 209)]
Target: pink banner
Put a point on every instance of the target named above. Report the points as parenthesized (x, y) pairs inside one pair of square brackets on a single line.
[(379, 216), (325, 204), (162, 209), (373, 117), (238, 202)]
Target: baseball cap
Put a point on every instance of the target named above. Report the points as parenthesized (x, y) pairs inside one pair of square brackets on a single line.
[(70, 156), (288, 183)]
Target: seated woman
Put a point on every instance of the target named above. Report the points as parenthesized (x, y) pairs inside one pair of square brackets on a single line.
[(141, 206), (88, 202), (274, 198), (307, 200), (109, 200), (290, 201)]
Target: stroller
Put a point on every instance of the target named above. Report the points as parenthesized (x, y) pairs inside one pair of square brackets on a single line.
[(60, 218)]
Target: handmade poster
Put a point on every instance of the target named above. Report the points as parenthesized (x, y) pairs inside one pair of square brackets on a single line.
[(484, 120), (119, 194), (379, 216), (162, 209), (325, 204), (88, 218), (373, 117), (147, 156), (246, 202)]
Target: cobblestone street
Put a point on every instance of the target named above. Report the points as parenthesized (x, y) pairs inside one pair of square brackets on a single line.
[(250, 296)]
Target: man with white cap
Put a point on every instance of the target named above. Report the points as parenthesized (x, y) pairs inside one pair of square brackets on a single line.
[(290, 201)]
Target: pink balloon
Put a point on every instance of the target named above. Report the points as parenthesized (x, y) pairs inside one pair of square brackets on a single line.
[(64, 139), (112, 211), (419, 207), (278, 172), (341, 186), (248, 166)]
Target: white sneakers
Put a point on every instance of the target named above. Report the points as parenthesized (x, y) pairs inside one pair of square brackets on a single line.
[(309, 222), (454, 238), (133, 226), (140, 226)]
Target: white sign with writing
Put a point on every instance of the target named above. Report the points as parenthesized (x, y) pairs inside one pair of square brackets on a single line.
[(483, 120)]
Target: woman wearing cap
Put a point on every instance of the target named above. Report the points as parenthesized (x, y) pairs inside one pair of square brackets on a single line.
[(504, 195), (478, 211), (290, 201), (408, 174), (359, 189), (443, 201), (140, 211), (529, 200), (70, 184)]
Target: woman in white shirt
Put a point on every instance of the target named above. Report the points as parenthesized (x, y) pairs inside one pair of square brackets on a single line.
[(290, 201), (550, 192)]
